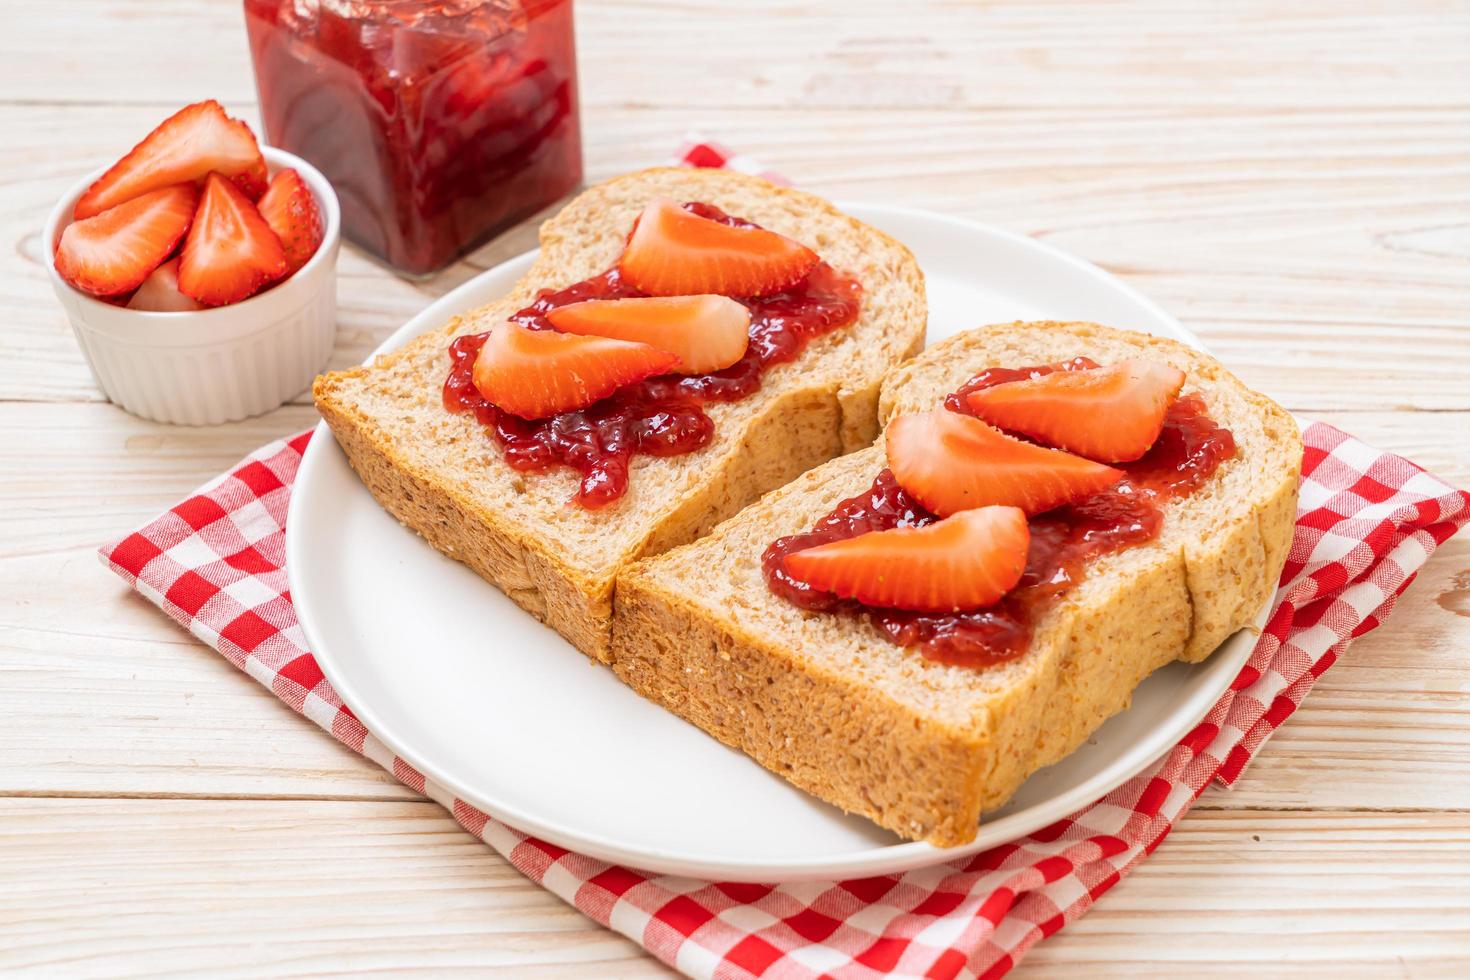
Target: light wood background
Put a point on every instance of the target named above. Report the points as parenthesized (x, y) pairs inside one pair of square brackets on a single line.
[(1292, 180)]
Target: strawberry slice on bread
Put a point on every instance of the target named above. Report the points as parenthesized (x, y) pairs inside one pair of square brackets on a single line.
[(290, 209), (113, 252), (231, 252), (184, 148), (967, 561), (673, 252), (1111, 414), (953, 462), (538, 373), (707, 332)]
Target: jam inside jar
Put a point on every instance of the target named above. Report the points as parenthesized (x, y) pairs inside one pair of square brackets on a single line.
[(440, 123)]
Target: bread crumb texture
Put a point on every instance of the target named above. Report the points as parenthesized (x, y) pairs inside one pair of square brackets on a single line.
[(924, 749), (443, 476)]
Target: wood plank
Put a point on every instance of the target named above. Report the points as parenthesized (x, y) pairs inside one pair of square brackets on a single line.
[(75, 475), (1325, 261), (1388, 726), (1291, 180), (236, 887), (102, 693), (1403, 685), (121, 701), (126, 703), (1437, 441), (771, 53), (1282, 894), (225, 888), (1323, 254)]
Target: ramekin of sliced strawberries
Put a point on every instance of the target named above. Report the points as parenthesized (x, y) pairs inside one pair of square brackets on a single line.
[(199, 271)]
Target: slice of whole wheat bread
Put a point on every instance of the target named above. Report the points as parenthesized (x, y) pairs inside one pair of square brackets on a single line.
[(921, 748), (443, 476)]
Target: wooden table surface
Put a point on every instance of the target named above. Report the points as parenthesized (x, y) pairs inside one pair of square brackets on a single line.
[(1291, 180)]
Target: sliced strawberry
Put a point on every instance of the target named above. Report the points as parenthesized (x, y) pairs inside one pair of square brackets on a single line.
[(230, 252), (707, 332), (537, 373), (967, 561), (160, 292), (953, 462), (185, 147), (675, 253), (290, 209), (113, 252), (1112, 414)]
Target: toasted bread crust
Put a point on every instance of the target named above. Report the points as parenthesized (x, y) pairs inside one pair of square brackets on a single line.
[(924, 750), (527, 573), (441, 476), (838, 739)]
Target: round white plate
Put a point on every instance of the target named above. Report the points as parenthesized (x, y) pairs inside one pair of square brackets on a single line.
[(507, 715)]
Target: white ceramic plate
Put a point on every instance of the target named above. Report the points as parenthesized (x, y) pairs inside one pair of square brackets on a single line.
[(507, 715)]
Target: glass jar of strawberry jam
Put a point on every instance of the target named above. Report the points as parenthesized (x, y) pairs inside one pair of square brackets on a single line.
[(440, 123)]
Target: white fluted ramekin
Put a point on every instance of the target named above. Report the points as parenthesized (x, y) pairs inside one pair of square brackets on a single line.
[(204, 367)]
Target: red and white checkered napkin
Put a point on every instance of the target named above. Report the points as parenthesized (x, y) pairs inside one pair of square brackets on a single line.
[(1368, 521)]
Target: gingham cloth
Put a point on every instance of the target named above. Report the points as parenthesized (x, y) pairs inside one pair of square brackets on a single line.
[(1368, 520)]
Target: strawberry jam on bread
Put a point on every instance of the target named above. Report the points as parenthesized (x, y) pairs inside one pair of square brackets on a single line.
[(945, 463), (843, 698), (802, 391), (598, 435)]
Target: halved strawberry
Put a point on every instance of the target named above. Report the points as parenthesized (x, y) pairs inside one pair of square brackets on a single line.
[(291, 211), (967, 561), (160, 292), (185, 147), (1112, 414), (230, 252), (113, 252), (675, 253), (536, 373), (953, 462), (707, 332)]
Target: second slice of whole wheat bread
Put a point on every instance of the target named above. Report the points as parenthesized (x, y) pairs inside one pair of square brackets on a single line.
[(920, 748), (443, 476)]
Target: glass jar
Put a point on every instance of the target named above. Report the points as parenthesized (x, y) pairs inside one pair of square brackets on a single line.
[(440, 123)]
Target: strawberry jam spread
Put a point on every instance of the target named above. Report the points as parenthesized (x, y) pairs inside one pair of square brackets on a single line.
[(661, 416), (1188, 451)]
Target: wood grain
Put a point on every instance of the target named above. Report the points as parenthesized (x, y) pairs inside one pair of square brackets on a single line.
[(116, 705), (235, 888), (771, 54), (1325, 255), (254, 888), (128, 705), (1291, 180)]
